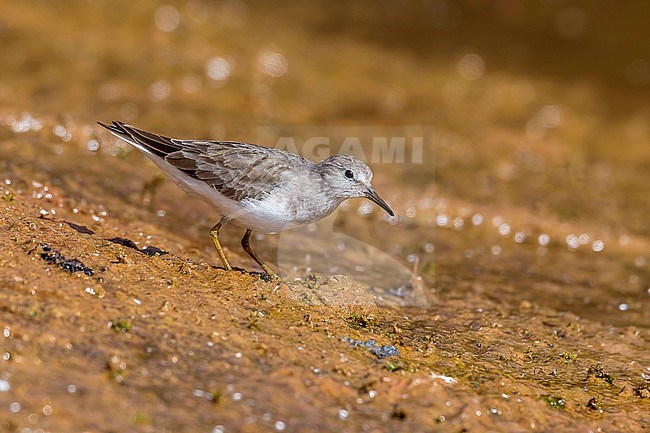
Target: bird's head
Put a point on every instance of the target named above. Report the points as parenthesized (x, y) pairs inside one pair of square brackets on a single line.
[(349, 177)]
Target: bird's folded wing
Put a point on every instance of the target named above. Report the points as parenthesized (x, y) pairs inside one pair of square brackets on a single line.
[(237, 170)]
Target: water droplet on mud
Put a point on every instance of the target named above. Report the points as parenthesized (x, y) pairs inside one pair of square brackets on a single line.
[(598, 246)]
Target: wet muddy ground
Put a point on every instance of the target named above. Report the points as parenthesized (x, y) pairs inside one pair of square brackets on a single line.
[(511, 292)]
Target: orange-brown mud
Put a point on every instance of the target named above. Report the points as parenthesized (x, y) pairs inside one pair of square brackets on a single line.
[(521, 242)]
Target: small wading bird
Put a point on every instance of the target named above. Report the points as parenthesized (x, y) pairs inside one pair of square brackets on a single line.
[(258, 188)]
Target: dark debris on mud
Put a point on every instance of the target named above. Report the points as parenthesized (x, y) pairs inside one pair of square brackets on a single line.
[(148, 250), (55, 257)]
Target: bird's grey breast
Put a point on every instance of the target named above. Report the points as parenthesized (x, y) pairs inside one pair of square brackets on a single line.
[(306, 198)]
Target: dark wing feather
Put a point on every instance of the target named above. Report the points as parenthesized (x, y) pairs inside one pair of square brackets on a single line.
[(158, 145), (236, 170)]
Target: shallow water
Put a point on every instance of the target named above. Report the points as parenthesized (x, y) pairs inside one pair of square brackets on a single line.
[(517, 263)]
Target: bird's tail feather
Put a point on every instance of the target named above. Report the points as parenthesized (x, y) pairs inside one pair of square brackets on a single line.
[(148, 142)]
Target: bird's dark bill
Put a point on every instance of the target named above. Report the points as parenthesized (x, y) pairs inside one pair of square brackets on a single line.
[(372, 195)]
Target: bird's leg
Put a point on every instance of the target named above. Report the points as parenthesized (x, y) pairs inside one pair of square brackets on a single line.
[(214, 235), (245, 243)]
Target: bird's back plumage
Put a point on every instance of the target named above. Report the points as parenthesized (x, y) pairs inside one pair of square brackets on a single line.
[(238, 171)]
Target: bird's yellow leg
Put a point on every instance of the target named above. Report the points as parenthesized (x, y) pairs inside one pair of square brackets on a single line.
[(214, 235)]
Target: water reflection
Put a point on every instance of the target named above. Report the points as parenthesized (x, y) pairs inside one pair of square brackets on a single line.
[(318, 248)]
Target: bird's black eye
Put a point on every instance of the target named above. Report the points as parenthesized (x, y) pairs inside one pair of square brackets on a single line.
[(349, 174)]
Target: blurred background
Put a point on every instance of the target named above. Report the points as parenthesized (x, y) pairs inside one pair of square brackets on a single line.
[(534, 180)]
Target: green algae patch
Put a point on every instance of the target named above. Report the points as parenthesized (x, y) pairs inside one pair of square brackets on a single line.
[(121, 326), (554, 402)]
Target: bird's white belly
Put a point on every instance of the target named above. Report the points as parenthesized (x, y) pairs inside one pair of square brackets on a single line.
[(281, 212), (266, 215)]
